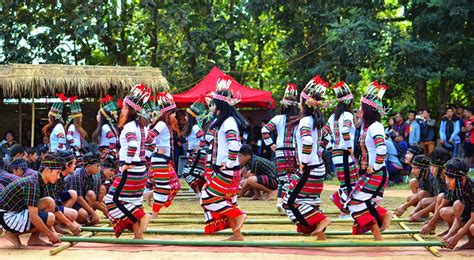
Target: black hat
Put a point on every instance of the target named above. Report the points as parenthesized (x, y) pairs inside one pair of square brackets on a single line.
[(66, 156), (91, 158), (421, 161), (440, 156), (415, 150), (456, 168), (109, 162)]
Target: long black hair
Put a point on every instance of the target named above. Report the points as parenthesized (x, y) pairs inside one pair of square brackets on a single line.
[(369, 115), (190, 122), (102, 121), (314, 112), (289, 110), (342, 107), (226, 111)]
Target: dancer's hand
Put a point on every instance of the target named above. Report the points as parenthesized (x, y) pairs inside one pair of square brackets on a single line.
[(273, 147), (75, 228), (125, 167), (54, 238), (370, 170), (301, 167)]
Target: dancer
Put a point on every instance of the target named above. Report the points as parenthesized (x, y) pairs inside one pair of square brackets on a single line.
[(340, 130), (363, 201), (193, 171), (302, 201), (75, 133), (124, 199), (55, 128), (106, 134), (284, 147), (219, 194), (165, 180)]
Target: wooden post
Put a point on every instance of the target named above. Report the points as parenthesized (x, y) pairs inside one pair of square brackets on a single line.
[(33, 114), (20, 124)]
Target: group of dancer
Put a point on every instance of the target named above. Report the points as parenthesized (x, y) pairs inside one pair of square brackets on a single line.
[(134, 163)]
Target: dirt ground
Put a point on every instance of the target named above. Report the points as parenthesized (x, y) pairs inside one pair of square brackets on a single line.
[(392, 198)]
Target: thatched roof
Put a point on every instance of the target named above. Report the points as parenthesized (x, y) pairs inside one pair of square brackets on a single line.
[(28, 80)]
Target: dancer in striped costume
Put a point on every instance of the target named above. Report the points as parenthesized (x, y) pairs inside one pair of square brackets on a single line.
[(363, 201), (339, 130), (302, 201), (75, 133), (124, 199), (24, 209), (106, 134), (55, 127), (284, 147), (193, 171), (219, 194), (165, 181)]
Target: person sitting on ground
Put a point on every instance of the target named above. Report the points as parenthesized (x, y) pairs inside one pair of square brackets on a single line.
[(262, 174), (16, 152), (64, 198), (394, 165), (411, 153), (461, 199), (436, 183), (32, 157), (23, 209), (421, 170), (82, 181), (108, 169), (5, 177)]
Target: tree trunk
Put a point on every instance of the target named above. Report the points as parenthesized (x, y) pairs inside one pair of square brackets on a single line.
[(233, 53), (123, 37), (421, 95)]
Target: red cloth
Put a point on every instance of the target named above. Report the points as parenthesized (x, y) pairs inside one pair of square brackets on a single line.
[(363, 223), (249, 97)]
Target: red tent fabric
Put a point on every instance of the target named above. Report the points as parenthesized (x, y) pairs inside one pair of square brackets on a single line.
[(249, 97)]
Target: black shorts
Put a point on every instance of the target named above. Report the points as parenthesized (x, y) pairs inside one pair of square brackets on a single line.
[(64, 196), (468, 149), (270, 183)]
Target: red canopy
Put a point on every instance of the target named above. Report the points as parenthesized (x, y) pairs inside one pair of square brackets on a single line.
[(249, 97)]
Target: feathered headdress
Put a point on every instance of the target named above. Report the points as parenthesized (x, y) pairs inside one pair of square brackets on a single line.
[(165, 102), (138, 97), (314, 91), (343, 92), (197, 108), (57, 108), (76, 110), (290, 91), (223, 91), (373, 96), (109, 108)]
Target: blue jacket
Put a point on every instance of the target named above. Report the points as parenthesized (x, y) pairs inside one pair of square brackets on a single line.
[(414, 134)]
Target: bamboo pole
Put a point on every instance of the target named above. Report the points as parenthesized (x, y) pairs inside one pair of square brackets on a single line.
[(67, 245), (245, 232), (252, 243), (248, 221), (417, 237), (251, 213)]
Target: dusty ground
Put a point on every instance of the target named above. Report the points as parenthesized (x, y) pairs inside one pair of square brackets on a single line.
[(393, 197)]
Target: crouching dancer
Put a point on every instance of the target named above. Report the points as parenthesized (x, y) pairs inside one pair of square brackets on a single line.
[(23, 210)]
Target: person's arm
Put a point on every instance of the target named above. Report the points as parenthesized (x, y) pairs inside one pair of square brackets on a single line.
[(442, 131), (417, 133), (110, 135), (70, 135), (456, 130), (267, 129), (306, 135), (453, 240), (72, 226), (75, 183), (61, 136), (233, 144), (325, 136), (378, 136), (346, 131), (37, 222)]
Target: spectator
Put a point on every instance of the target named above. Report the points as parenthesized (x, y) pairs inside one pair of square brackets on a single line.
[(394, 165), (414, 129), (9, 142), (247, 132), (400, 125), (45, 143), (402, 147), (263, 150), (449, 132), (391, 123), (16, 152), (468, 130), (427, 132)]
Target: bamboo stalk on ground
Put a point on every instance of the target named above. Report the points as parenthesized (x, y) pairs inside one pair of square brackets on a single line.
[(67, 245), (417, 237), (245, 232), (250, 213), (253, 243), (248, 221)]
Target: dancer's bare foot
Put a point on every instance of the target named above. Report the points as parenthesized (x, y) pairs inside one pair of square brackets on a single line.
[(154, 215), (239, 222), (376, 232), (319, 231), (15, 240), (144, 222), (399, 211), (36, 241), (386, 219), (234, 238), (59, 229)]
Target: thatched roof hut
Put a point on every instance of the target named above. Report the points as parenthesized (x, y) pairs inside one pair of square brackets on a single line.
[(27, 80)]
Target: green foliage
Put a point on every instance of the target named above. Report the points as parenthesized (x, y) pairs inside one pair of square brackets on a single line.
[(421, 49)]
